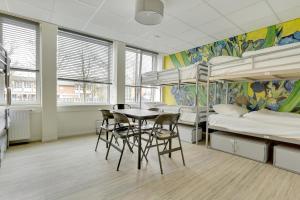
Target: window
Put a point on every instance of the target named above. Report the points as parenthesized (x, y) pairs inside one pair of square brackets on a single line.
[(21, 39), (137, 63), (84, 69)]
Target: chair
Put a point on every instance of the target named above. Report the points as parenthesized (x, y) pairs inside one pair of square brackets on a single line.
[(147, 126), (125, 135), (159, 133), (121, 106), (105, 126)]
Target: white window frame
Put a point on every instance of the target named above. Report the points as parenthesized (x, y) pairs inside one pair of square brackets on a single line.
[(108, 93), (36, 71), (137, 86)]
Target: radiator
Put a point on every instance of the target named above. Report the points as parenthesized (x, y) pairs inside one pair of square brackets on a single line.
[(19, 129)]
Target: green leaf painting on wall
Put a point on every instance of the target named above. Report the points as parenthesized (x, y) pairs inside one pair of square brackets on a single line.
[(275, 95)]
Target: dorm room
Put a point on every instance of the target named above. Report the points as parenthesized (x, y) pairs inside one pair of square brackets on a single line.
[(149, 99)]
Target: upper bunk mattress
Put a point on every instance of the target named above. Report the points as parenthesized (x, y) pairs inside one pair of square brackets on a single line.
[(277, 58), (184, 74)]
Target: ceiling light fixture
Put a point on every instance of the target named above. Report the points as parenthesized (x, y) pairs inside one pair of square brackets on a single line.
[(149, 12)]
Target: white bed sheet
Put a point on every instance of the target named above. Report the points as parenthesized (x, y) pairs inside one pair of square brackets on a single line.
[(261, 127), (272, 117)]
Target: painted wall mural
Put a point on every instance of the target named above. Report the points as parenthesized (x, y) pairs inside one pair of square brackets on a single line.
[(275, 95)]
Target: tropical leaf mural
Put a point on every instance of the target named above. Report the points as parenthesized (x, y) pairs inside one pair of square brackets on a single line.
[(276, 95)]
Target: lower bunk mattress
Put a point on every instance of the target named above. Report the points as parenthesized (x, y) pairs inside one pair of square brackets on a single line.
[(256, 127)]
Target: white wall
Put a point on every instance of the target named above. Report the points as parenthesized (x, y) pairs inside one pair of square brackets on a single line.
[(48, 81), (72, 120), (118, 93), (49, 121)]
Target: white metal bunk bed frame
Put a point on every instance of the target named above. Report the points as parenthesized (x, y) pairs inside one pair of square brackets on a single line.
[(196, 81), (5, 69), (247, 75)]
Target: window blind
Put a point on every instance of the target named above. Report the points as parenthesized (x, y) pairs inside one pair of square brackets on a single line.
[(132, 67), (83, 58), (21, 39)]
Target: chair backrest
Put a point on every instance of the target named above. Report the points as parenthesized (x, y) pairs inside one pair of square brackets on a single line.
[(154, 109), (167, 119), (106, 114), (121, 106), (120, 118)]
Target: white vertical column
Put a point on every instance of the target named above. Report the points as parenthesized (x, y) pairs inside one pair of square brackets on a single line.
[(118, 92), (48, 80), (160, 67)]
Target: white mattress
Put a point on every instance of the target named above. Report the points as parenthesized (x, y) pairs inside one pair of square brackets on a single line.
[(167, 76), (190, 72), (174, 75), (243, 124), (265, 60), (270, 49)]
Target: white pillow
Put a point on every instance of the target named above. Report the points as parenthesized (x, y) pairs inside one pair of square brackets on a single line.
[(220, 59), (230, 110)]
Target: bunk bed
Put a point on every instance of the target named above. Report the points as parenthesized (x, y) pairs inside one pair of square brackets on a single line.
[(253, 134), (5, 101), (274, 63), (191, 75)]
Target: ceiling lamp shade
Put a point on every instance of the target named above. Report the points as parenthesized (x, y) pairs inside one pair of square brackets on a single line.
[(149, 12)]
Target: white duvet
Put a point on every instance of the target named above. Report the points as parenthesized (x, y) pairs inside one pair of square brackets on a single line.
[(255, 125), (271, 117)]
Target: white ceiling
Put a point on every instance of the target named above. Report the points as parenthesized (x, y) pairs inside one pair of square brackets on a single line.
[(187, 23)]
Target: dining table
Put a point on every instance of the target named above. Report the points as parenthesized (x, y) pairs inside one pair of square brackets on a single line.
[(139, 115)]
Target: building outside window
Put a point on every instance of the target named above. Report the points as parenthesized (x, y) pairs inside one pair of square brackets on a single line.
[(21, 39), (84, 69), (137, 63)]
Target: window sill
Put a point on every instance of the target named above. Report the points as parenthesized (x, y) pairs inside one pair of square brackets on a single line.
[(81, 107)]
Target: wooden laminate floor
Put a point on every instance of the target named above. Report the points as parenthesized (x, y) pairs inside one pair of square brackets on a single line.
[(70, 169)]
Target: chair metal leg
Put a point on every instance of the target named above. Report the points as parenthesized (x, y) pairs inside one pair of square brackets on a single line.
[(149, 145), (133, 142), (124, 143), (166, 143), (145, 149), (99, 136), (158, 153), (106, 138), (97, 142), (130, 148), (144, 155), (179, 140), (116, 141), (111, 138)]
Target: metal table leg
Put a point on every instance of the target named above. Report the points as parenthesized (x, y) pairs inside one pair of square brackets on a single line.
[(140, 144)]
